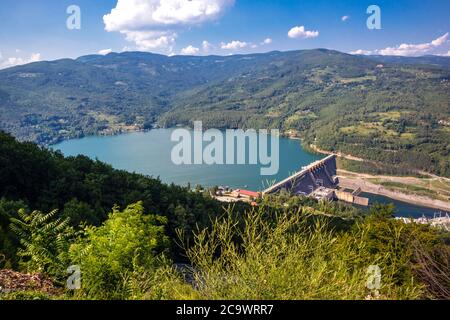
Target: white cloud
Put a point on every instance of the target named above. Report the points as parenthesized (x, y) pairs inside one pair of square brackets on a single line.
[(414, 49), (345, 18), (360, 51), (234, 45), (190, 50), (104, 52), (152, 40), (266, 41), (302, 33), (152, 24), (440, 41), (408, 49), (445, 54), (206, 46), (139, 14), (15, 61)]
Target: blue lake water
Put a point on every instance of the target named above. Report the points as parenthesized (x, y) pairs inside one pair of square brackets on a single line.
[(149, 153)]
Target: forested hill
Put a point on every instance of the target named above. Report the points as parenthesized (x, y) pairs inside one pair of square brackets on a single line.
[(149, 247), (85, 191), (394, 110), (430, 60)]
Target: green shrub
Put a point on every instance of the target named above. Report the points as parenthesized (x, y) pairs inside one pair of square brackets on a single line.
[(286, 258), (44, 241), (118, 259)]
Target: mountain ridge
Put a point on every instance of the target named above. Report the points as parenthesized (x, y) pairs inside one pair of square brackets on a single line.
[(377, 109), (424, 59)]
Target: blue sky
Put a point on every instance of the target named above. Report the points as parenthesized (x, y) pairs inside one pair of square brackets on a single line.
[(34, 30)]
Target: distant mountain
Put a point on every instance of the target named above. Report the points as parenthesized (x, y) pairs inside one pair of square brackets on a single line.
[(390, 109), (430, 60), (46, 101)]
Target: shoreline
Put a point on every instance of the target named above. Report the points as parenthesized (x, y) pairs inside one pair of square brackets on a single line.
[(350, 179), (357, 181), (366, 186)]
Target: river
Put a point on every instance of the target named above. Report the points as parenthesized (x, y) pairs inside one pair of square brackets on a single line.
[(149, 153)]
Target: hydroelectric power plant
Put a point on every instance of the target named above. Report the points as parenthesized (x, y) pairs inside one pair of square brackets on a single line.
[(318, 180)]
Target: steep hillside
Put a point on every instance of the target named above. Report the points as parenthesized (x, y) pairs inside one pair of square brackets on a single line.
[(395, 110)]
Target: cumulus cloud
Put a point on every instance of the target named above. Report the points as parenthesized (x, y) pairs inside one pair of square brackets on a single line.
[(190, 50), (206, 46), (300, 32), (414, 49), (234, 45), (360, 51), (266, 41), (15, 61), (152, 40), (139, 14), (345, 18), (407, 49), (104, 52), (152, 24)]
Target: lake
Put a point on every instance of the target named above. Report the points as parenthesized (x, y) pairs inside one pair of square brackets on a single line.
[(149, 153)]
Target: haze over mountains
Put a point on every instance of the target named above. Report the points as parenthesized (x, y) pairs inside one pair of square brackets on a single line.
[(391, 109)]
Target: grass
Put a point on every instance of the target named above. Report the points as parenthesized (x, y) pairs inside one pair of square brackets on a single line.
[(441, 185), (416, 189), (300, 115), (376, 168), (392, 115), (359, 79), (289, 257), (408, 136), (267, 253), (368, 129), (104, 117)]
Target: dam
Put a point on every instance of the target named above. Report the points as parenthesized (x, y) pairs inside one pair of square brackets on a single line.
[(318, 180), (318, 174)]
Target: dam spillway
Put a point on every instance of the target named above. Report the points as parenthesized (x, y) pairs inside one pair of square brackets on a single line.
[(318, 180), (319, 174)]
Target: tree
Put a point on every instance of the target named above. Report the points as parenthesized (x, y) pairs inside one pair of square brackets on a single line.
[(79, 212), (383, 210)]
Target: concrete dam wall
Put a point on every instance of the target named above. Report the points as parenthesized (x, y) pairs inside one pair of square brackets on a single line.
[(318, 174)]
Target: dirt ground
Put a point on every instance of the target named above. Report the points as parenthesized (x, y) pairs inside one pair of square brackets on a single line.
[(354, 180)]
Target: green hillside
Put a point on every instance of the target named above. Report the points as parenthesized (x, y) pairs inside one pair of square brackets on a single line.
[(393, 110), (133, 238)]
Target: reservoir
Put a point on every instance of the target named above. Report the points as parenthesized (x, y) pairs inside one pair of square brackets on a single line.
[(149, 153)]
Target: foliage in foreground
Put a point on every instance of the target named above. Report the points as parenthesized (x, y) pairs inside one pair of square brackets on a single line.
[(117, 258), (265, 253), (84, 191), (290, 258), (44, 240), (25, 295)]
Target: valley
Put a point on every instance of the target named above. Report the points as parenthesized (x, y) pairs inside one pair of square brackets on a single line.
[(391, 111)]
